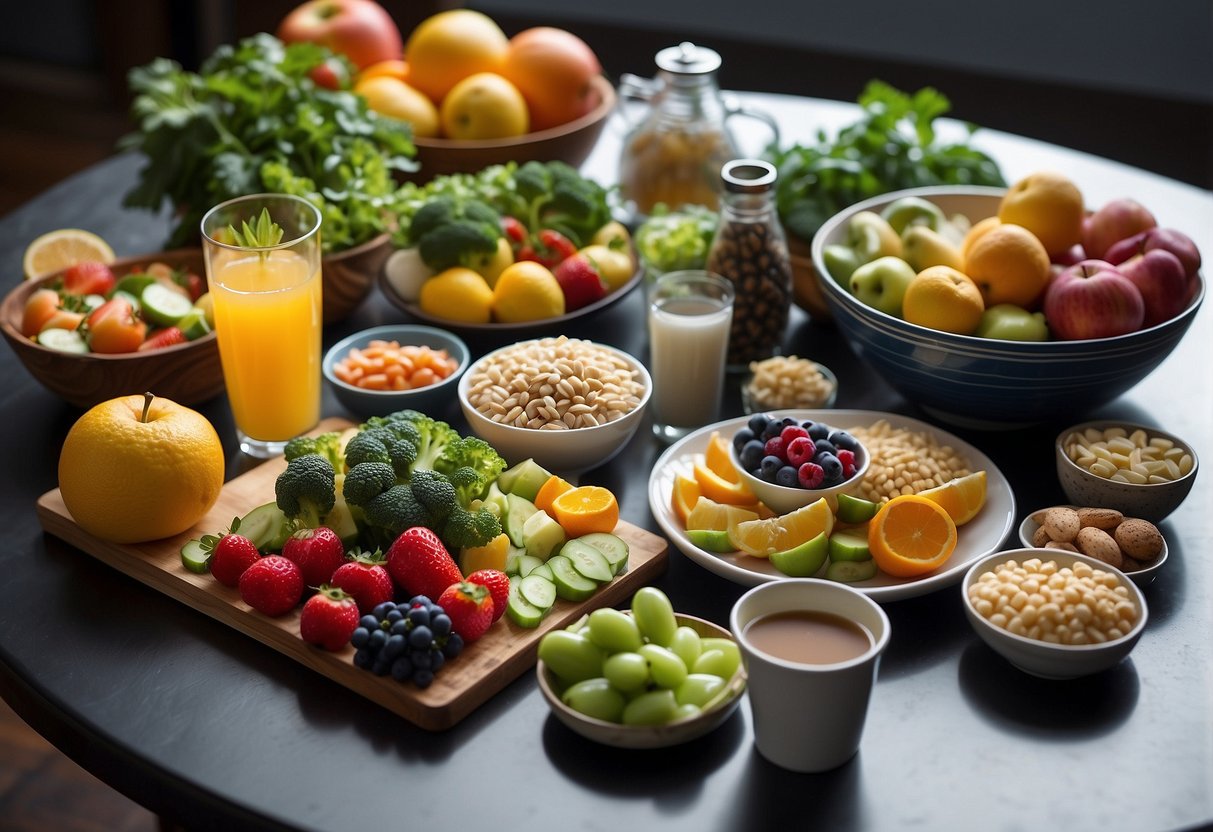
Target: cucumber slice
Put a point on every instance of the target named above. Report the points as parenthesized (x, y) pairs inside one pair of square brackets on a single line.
[(538, 592), (614, 549), (571, 585), (850, 571), (63, 340), (519, 611), (162, 306), (588, 561), (193, 325), (194, 557), (266, 526), (528, 564)]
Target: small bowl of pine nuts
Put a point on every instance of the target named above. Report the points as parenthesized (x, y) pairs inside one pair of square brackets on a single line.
[(567, 403), (1052, 613), (1138, 470)]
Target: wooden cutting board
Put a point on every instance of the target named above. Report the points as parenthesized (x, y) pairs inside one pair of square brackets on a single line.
[(480, 671)]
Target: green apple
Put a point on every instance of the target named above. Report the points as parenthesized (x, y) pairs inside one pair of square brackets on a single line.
[(1008, 322), (912, 210), (923, 246), (870, 236), (841, 262), (804, 560), (882, 283)]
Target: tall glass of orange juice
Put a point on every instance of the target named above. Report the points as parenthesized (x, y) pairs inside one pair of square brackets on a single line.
[(262, 255)]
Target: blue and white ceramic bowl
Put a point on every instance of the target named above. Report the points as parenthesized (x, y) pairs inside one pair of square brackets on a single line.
[(982, 382)]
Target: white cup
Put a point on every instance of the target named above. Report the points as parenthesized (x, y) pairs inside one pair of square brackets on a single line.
[(809, 717)]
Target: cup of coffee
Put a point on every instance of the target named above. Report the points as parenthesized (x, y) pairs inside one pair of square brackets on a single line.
[(811, 650)]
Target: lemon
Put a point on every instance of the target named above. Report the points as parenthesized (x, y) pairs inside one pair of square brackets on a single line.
[(526, 291), (57, 250), (457, 294), (140, 468)]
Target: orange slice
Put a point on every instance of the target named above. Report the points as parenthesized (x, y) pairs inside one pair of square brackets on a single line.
[(761, 537), (586, 509), (717, 488), (911, 536), (718, 460), (549, 491), (683, 497), (962, 498), (712, 516)]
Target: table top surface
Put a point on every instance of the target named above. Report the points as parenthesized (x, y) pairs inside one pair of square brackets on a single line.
[(212, 729)]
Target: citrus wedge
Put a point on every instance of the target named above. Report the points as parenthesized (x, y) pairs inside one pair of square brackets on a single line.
[(911, 536), (683, 496), (962, 498), (59, 249), (712, 516), (586, 509), (715, 487), (718, 461), (761, 538)]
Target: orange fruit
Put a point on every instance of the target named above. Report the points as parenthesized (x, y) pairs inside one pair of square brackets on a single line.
[(586, 509), (140, 468), (961, 498), (713, 516), (942, 298), (57, 250), (549, 491), (683, 496), (911, 536), (457, 294), (718, 460), (1009, 265), (484, 106), (1049, 205), (449, 46), (762, 537), (717, 488), (526, 291), (975, 233), (392, 97)]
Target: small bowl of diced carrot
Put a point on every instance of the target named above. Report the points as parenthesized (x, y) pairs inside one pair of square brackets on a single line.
[(388, 368)]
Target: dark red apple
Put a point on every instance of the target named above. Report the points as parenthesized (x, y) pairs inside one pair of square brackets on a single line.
[(1112, 223), (1092, 300), (1160, 278), (359, 29)]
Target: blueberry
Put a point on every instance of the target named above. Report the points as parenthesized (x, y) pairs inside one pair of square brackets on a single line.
[(402, 669), (831, 466), (818, 430), (420, 616), (751, 455), (769, 468), (844, 440), (393, 648), (786, 476), (757, 423), (773, 428), (423, 678), (741, 437), (824, 446), (440, 625)]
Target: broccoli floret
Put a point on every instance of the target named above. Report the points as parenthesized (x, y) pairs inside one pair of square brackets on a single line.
[(456, 244), (307, 490), (368, 480), (366, 447), (471, 452), (327, 445), (464, 528), (395, 510), (435, 492)]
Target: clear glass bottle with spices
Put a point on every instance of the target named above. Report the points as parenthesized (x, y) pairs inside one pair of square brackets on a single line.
[(750, 249)]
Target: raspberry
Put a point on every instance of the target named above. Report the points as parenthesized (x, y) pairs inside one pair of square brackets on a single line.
[(847, 458), (792, 432), (775, 448), (800, 450), (810, 475)]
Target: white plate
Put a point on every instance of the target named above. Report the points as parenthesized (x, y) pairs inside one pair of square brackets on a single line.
[(979, 537), (1142, 577)]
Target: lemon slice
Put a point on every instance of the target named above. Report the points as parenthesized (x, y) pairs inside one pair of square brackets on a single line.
[(59, 249)]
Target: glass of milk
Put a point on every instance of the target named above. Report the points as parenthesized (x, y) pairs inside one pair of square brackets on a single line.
[(689, 317)]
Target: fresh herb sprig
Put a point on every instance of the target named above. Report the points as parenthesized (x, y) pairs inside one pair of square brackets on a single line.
[(891, 147), (253, 120)]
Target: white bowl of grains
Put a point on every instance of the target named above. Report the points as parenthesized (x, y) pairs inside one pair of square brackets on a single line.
[(1052, 613), (567, 403)]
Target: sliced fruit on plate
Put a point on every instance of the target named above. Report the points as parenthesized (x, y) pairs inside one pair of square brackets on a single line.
[(59, 249), (778, 534), (911, 536), (962, 498)]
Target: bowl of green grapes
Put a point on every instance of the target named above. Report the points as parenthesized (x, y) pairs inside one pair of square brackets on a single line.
[(643, 678)]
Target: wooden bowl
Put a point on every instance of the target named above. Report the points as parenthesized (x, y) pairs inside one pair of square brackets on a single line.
[(188, 373), (571, 143), (348, 276)]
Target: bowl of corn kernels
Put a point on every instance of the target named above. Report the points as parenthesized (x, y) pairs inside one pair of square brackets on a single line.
[(1052, 613), (1138, 470)]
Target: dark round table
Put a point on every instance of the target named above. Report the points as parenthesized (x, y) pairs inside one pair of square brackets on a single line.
[(213, 730)]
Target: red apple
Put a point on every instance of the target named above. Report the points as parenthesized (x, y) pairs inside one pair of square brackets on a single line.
[(579, 281), (359, 29), (1092, 300), (1112, 223), (1160, 278), (554, 70)]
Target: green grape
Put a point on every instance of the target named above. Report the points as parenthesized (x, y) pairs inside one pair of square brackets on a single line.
[(666, 668), (595, 698), (627, 672), (614, 631), (698, 688), (655, 615), (656, 707), (686, 645), (571, 656), (717, 663)]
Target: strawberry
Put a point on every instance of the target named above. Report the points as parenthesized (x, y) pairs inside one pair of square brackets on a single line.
[(365, 578), (88, 277), (170, 336), (470, 608), (318, 552), (329, 618), (579, 281), (272, 585), (420, 564), (498, 584), (230, 556)]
